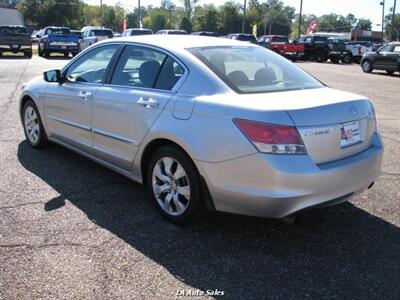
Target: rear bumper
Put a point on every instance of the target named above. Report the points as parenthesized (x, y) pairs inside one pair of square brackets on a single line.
[(18, 48), (62, 48), (276, 186)]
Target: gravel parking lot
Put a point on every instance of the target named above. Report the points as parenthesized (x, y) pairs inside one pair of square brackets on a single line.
[(70, 228)]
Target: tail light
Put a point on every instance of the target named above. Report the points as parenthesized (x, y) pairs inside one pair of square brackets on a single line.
[(270, 138)]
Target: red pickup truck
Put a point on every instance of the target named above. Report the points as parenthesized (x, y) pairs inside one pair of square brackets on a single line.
[(281, 45)]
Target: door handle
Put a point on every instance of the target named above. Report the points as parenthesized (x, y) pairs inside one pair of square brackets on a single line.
[(148, 102), (85, 95)]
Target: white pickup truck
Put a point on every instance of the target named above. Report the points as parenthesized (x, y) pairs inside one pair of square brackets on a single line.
[(358, 49)]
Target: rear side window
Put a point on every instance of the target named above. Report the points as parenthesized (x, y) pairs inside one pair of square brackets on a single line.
[(280, 39), (148, 68)]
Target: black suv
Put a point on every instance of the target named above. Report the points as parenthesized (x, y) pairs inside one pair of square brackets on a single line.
[(15, 39), (320, 49), (386, 58)]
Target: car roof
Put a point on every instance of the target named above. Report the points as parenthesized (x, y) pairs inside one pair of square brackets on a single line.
[(176, 42)]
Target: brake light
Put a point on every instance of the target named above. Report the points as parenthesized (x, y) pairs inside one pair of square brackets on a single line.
[(271, 138)]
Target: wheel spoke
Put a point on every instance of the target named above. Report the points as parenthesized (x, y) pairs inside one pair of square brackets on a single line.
[(159, 174), (167, 203), (180, 207), (179, 173), (184, 191), (159, 189), (168, 162)]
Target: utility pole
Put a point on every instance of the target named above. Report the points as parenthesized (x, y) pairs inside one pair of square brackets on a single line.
[(244, 15), (383, 15), (394, 15), (140, 19), (101, 13), (301, 11)]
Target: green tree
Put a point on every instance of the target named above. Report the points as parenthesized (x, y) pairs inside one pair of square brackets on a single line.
[(388, 27), (53, 12), (229, 19), (206, 18), (333, 23), (156, 19), (186, 24), (364, 24), (188, 6)]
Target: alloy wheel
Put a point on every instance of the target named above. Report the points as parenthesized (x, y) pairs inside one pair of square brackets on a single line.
[(171, 186), (32, 126)]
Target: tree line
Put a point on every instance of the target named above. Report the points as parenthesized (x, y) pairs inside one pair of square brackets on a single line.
[(270, 16)]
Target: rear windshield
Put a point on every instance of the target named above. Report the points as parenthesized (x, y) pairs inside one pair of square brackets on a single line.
[(247, 38), (280, 39), (101, 32), (254, 69), (140, 32), (12, 30), (54, 31), (176, 32)]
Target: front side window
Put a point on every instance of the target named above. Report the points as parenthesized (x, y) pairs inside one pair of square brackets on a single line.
[(91, 68), (254, 69)]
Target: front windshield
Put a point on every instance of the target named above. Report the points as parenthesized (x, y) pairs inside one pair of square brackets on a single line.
[(254, 69)]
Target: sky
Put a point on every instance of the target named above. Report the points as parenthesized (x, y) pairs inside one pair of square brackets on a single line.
[(360, 8)]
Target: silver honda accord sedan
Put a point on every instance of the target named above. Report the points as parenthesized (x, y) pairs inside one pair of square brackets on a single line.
[(208, 123)]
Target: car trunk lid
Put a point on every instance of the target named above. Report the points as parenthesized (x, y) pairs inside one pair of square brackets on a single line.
[(332, 124)]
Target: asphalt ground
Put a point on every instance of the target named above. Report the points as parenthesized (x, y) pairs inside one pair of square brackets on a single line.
[(70, 228)]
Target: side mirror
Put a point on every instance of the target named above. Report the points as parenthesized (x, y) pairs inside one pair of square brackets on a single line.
[(52, 76), (38, 36)]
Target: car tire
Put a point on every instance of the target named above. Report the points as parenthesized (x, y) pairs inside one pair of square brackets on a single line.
[(178, 199), (366, 66), (33, 126), (320, 57), (390, 72), (334, 59), (28, 54), (347, 59)]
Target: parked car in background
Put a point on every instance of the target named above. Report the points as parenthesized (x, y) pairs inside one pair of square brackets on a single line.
[(320, 49), (34, 36), (171, 31), (77, 33), (387, 58), (93, 35), (205, 33), (117, 34), (208, 123), (137, 31), (57, 40), (15, 39), (358, 49), (281, 45), (244, 37)]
